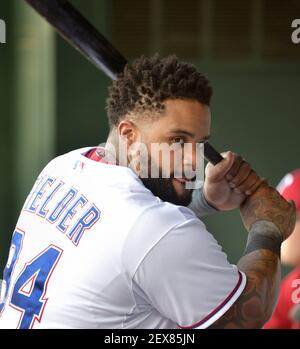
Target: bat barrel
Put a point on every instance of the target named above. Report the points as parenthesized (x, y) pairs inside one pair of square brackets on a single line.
[(81, 34)]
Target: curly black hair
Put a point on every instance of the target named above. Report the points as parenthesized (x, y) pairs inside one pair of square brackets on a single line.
[(146, 83)]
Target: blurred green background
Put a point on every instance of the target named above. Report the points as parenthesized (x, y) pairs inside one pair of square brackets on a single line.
[(52, 100)]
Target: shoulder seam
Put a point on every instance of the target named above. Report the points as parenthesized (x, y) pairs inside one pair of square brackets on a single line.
[(162, 237)]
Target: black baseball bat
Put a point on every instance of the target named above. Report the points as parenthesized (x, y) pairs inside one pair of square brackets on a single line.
[(82, 35)]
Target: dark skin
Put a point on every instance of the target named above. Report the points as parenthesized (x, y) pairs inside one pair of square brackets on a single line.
[(230, 184), (255, 305), (262, 267)]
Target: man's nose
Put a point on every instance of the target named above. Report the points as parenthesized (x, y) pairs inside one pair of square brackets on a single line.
[(190, 154)]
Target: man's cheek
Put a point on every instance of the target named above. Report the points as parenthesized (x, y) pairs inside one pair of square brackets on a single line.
[(178, 186), (165, 164)]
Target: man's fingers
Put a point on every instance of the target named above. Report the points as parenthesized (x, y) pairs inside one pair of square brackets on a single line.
[(242, 175), (218, 172), (255, 186), (237, 162), (249, 182), (242, 178), (239, 174)]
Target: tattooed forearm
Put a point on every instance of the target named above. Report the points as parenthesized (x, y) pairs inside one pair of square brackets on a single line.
[(269, 219), (261, 265), (267, 204), (254, 307)]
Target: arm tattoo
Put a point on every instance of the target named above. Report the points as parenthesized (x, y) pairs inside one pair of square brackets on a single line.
[(276, 211), (255, 305), (270, 219), (261, 265)]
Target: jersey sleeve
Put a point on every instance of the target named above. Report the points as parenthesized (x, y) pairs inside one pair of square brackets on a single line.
[(199, 205), (188, 278)]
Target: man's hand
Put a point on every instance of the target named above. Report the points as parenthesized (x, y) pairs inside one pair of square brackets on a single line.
[(228, 183)]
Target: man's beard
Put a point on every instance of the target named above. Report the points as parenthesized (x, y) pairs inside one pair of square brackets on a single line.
[(164, 189)]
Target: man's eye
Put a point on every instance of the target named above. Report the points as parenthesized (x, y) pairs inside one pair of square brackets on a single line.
[(179, 140)]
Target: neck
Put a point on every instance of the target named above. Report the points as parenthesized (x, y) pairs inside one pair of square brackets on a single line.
[(112, 148)]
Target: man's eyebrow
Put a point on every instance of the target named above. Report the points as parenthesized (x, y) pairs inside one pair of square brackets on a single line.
[(187, 133)]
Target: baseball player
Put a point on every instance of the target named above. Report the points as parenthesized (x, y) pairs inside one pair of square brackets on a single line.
[(287, 311), (98, 245)]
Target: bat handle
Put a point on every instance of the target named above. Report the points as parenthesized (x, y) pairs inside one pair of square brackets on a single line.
[(211, 154)]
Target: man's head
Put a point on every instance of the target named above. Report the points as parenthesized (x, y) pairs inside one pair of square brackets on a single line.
[(161, 101)]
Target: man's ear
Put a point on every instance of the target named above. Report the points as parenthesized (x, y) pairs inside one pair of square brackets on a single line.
[(127, 131)]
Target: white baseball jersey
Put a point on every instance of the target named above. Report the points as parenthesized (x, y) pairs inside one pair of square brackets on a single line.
[(94, 248)]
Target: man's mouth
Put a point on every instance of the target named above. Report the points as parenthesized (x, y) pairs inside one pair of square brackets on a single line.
[(181, 180), (185, 180)]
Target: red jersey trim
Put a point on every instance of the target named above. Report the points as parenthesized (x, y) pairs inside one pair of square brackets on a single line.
[(93, 155)]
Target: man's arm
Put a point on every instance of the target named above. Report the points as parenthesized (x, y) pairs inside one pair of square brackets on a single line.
[(269, 220), (255, 305)]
